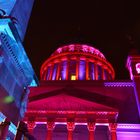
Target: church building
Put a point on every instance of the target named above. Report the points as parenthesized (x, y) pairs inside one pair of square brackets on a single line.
[(79, 99)]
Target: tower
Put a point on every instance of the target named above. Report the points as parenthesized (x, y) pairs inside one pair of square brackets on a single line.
[(133, 66)]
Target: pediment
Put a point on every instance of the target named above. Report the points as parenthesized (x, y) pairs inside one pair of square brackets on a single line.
[(67, 102), (90, 97)]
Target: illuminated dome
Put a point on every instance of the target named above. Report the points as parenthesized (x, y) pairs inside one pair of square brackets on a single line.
[(77, 62)]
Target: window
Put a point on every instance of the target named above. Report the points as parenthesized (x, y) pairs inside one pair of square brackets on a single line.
[(138, 68), (72, 69), (63, 69), (91, 71), (99, 72), (82, 70), (73, 77), (106, 74)]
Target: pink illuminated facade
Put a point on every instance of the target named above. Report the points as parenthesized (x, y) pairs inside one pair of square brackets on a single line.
[(78, 98)]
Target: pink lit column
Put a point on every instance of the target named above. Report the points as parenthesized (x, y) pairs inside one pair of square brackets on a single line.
[(112, 128), (51, 72), (103, 75), (70, 128), (67, 70), (46, 77), (77, 69), (96, 71), (87, 70), (91, 128), (4, 129), (58, 72), (44, 74), (50, 127)]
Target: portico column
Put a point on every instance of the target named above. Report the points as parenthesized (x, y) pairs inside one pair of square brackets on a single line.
[(4, 126), (67, 69), (112, 128), (87, 70), (45, 75), (70, 128), (103, 74), (91, 128), (50, 127), (77, 69), (96, 71), (58, 72), (51, 71)]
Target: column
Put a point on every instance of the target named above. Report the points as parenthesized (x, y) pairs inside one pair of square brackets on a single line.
[(87, 70), (51, 72), (4, 126), (58, 71), (112, 129), (77, 68), (67, 69), (70, 128), (44, 74), (96, 71), (91, 128), (50, 127), (103, 73)]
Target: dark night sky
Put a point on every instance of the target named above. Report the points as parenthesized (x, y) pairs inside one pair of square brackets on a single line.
[(113, 26)]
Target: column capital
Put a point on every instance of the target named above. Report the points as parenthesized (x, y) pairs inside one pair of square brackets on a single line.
[(91, 126), (70, 125), (31, 125), (112, 127), (50, 125)]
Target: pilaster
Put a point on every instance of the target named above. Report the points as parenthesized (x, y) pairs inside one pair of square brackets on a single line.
[(112, 129), (91, 128), (70, 128), (50, 127)]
